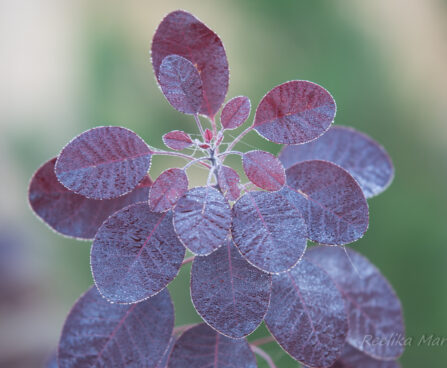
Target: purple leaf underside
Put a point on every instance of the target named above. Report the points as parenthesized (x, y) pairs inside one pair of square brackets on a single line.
[(135, 254), (307, 315), (177, 140), (100, 334), (269, 232), (264, 170), (235, 112), (201, 346), (231, 295), (228, 180), (103, 162), (167, 189), (353, 358), (71, 214)]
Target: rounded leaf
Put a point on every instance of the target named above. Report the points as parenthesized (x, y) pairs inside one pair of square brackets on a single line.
[(307, 315), (181, 84), (201, 346), (374, 310), (228, 180), (353, 358), (97, 333), (230, 295), (167, 189), (71, 214), (202, 220), (177, 140), (103, 162), (361, 156), (269, 232), (182, 34), (330, 199), (135, 254), (295, 112), (235, 112), (264, 170)]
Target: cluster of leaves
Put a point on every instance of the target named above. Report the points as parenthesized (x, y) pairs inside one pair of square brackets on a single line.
[(249, 239)]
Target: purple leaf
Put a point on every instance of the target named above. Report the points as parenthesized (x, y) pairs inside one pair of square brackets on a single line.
[(181, 84), (100, 334), (202, 220), (135, 254), (374, 310), (167, 189), (231, 295), (228, 180), (201, 346), (307, 315), (52, 361), (352, 358), (295, 112), (71, 214), (180, 33), (163, 363), (264, 170), (269, 232), (361, 156), (235, 112), (177, 140), (331, 201), (103, 162)]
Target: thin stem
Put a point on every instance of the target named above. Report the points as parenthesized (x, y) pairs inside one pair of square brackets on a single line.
[(199, 125), (180, 329), (188, 260), (213, 124), (262, 341), (178, 154), (226, 153), (238, 138), (195, 161), (263, 355)]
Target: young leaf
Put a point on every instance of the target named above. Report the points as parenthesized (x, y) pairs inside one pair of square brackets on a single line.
[(264, 170), (231, 295), (295, 112), (208, 135), (100, 334), (201, 346), (374, 310), (269, 232), (352, 358), (180, 33), (163, 363), (181, 84), (135, 254), (177, 140), (307, 315), (331, 201), (167, 189), (235, 112), (361, 156), (228, 180), (71, 214), (103, 162), (202, 220)]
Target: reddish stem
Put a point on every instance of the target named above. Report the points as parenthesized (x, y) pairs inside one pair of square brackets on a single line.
[(263, 355)]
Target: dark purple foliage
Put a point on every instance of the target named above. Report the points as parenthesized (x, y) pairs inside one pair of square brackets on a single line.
[(361, 156), (201, 346), (181, 84), (69, 213), (100, 334), (136, 253), (330, 200), (264, 170), (307, 315), (177, 140), (231, 295), (228, 180), (353, 358), (163, 363), (167, 189), (202, 220), (373, 308), (295, 112), (235, 112), (103, 163), (181, 33), (269, 232)]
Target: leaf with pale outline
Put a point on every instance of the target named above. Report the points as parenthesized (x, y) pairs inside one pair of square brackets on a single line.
[(228, 180), (167, 189), (235, 112), (264, 170), (177, 140)]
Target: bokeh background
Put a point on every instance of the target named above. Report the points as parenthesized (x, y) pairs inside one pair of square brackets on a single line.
[(67, 66)]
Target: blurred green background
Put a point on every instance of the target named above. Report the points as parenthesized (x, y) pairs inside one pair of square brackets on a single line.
[(67, 66)]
